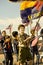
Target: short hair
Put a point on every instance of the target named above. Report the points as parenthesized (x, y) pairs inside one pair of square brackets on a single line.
[(4, 31), (41, 32), (7, 37), (14, 33), (21, 26)]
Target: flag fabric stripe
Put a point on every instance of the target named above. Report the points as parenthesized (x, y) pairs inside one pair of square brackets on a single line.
[(34, 42), (27, 4), (39, 5)]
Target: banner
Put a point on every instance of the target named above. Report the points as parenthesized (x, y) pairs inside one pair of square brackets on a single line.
[(31, 10)]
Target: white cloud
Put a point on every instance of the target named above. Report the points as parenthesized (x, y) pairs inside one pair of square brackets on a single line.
[(5, 22)]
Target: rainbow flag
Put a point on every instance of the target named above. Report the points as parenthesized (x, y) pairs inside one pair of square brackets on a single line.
[(31, 10)]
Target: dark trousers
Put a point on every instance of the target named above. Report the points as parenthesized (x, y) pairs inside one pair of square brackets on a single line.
[(8, 59), (35, 52)]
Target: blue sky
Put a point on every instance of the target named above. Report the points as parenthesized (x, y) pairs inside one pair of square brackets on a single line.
[(9, 14), (9, 9)]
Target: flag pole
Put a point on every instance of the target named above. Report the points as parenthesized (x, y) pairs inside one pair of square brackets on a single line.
[(30, 19), (10, 31), (37, 36), (37, 27)]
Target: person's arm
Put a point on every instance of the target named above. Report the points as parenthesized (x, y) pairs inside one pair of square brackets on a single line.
[(27, 39), (24, 41), (40, 45)]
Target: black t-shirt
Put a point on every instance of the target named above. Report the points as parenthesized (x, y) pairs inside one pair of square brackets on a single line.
[(15, 42), (1, 42), (8, 47)]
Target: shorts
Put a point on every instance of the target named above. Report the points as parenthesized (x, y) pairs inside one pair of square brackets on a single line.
[(25, 54)]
